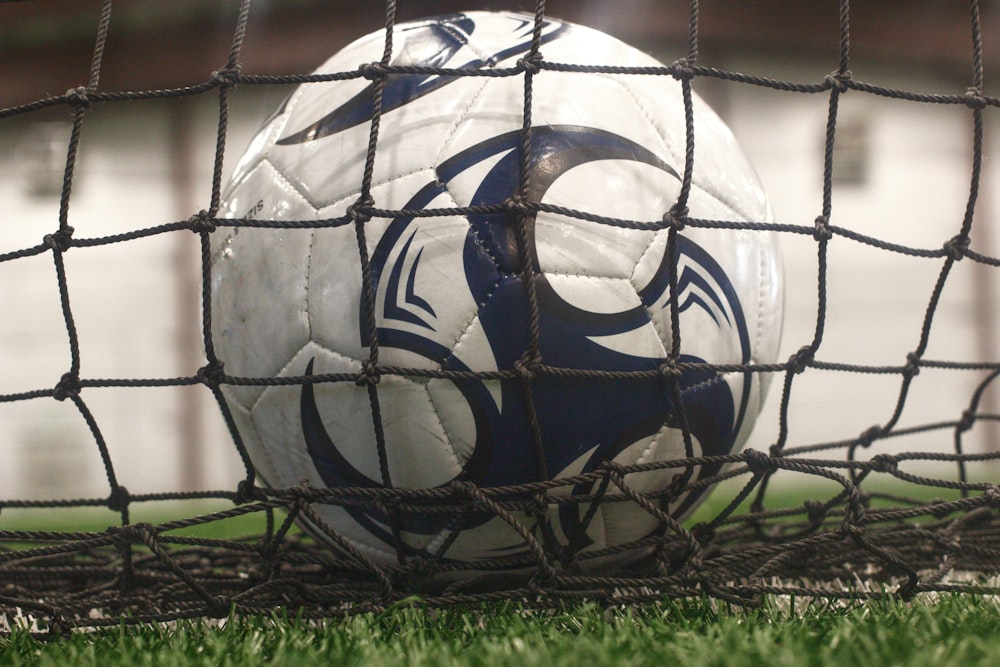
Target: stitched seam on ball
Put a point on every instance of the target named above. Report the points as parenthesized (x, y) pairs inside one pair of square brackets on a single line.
[(479, 306), (446, 145), (459, 120), (290, 106), (354, 193), (761, 292), (588, 276), (652, 240), (308, 310), (582, 271), (264, 451), (475, 235), (676, 157), (292, 186), (282, 122), (649, 318), (283, 371), (664, 334), (468, 328), (450, 446), (695, 177), (642, 256)]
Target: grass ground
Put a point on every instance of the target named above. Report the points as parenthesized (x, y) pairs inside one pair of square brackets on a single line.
[(949, 630), (953, 631)]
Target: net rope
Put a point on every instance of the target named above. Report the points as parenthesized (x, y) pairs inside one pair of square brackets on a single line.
[(906, 543)]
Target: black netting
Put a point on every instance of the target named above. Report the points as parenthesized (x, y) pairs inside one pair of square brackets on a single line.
[(857, 538)]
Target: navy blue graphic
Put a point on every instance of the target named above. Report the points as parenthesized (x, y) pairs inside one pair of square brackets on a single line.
[(431, 44), (586, 421), (394, 311)]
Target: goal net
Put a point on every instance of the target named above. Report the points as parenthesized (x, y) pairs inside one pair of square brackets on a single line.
[(129, 487)]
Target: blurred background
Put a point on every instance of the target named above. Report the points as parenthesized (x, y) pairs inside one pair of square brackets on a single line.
[(902, 174)]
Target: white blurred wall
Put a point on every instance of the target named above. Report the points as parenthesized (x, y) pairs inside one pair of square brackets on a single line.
[(130, 304)]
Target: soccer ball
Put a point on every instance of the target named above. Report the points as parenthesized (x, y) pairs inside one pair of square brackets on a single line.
[(434, 358)]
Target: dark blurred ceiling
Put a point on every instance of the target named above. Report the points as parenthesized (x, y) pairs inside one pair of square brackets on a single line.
[(46, 45)]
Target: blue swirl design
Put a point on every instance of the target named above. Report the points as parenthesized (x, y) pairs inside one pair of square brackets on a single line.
[(591, 418), (583, 422), (434, 43)]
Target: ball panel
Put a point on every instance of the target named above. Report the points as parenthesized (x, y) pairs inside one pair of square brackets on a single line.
[(418, 113), (266, 458), (335, 291), (625, 522), (456, 416), (625, 189), (721, 169), (334, 420), (256, 333), (585, 318)]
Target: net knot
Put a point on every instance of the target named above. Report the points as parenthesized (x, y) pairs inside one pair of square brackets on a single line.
[(541, 581), (681, 70), (966, 422), (870, 435), (69, 385), (912, 366), (799, 361), (218, 606), (675, 218), (956, 247), (852, 529), (530, 64), (372, 71), (369, 374), (758, 463), (815, 511), (211, 374), (246, 492), (264, 570), (517, 205), (133, 533), (227, 76), (678, 485), (668, 369), (360, 211), (303, 493), (119, 499), (538, 505), (61, 240), (839, 80), (610, 468), (527, 367), (884, 463), (821, 229), (703, 533), (202, 221), (78, 98), (464, 489), (974, 99), (991, 494)]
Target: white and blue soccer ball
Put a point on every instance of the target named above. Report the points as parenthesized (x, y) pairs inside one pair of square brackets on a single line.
[(449, 294)]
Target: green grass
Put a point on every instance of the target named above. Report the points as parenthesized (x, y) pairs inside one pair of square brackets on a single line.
[(956, 630)]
